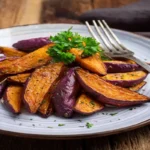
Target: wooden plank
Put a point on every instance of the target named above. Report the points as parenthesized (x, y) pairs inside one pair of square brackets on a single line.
[(134, 140), (19, 12)]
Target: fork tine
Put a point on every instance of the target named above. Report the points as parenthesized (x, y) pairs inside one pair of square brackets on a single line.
[(97, 39), (91, 31), (101, 35), (108, 36), (112, 34)]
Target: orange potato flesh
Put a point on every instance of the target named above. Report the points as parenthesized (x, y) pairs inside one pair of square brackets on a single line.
[(137, 87), (46, 106), (19, 78), (11, 52), (107, 92), (135, 75), (32, 60), (87, 105), (92, 63), (13, 98), (39, 84)]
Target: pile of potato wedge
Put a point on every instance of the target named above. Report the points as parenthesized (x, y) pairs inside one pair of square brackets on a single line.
[(30, 79)]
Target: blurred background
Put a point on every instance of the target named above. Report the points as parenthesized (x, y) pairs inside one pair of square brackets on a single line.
[(131, 15), (20, 12)]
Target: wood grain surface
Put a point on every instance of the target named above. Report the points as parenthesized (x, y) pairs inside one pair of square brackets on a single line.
[(20, 12)]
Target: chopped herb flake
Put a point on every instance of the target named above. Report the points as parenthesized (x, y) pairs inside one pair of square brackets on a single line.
[(89, 125), (113, 114), (61, 124)]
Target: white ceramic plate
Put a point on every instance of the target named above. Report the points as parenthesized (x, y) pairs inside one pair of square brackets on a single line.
[(104, 122)]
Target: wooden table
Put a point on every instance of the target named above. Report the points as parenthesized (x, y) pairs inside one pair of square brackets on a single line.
[(20, 12)]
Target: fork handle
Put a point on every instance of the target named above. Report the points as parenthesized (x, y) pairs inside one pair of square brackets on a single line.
[(141, 63)]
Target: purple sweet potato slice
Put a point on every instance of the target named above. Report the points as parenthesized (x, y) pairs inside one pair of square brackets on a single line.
[(64, 95), (32, 60), (87, 105), (39, 84), (126, 79), (11, 52), (117, 66), (19, 78), (31, 44), (137, 87), (108, 93), (91, 63), (13, 98)]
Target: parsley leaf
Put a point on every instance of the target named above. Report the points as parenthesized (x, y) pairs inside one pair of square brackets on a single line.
[(66, 40)]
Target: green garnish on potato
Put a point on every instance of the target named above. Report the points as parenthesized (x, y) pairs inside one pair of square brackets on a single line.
[(66, 40)]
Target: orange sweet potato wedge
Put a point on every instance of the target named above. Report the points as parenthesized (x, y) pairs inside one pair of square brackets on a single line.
[(39, 84), (46, 108), (19, 78), (27, 62), (92, 63), (13, 98), (137, 87), (11, 52), (108, 93), (86, 105)]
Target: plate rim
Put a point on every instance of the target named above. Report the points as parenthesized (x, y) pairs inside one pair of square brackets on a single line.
[(90, 135)]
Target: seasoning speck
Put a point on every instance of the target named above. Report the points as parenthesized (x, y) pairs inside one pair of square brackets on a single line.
[(89, 125), (113, 114), (61, 125)]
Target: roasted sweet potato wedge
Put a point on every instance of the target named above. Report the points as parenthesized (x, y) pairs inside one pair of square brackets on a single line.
[(13, 98), (19, 78), (39, 83), (32, 44), (87, 105), (137, 87), (11, 52), (92, 63), (27, 62), (108, 93), (46, 108), (64, 95), (126, 79), (117, 66)]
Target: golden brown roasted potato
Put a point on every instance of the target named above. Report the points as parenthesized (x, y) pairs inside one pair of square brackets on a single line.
[(13, 98), (19, 78), (86, 105), (27, 62), (108, 93), (92, 63), (39, 84)]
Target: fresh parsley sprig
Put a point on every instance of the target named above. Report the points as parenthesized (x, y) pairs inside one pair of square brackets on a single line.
[(66, 40)]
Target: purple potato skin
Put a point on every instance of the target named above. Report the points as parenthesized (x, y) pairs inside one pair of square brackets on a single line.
[(64, 95), (127, 83), (114, 67), (30, 45), (104, 99), (2, 88)]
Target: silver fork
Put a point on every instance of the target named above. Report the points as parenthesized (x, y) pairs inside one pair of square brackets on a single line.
[(112, 45)]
